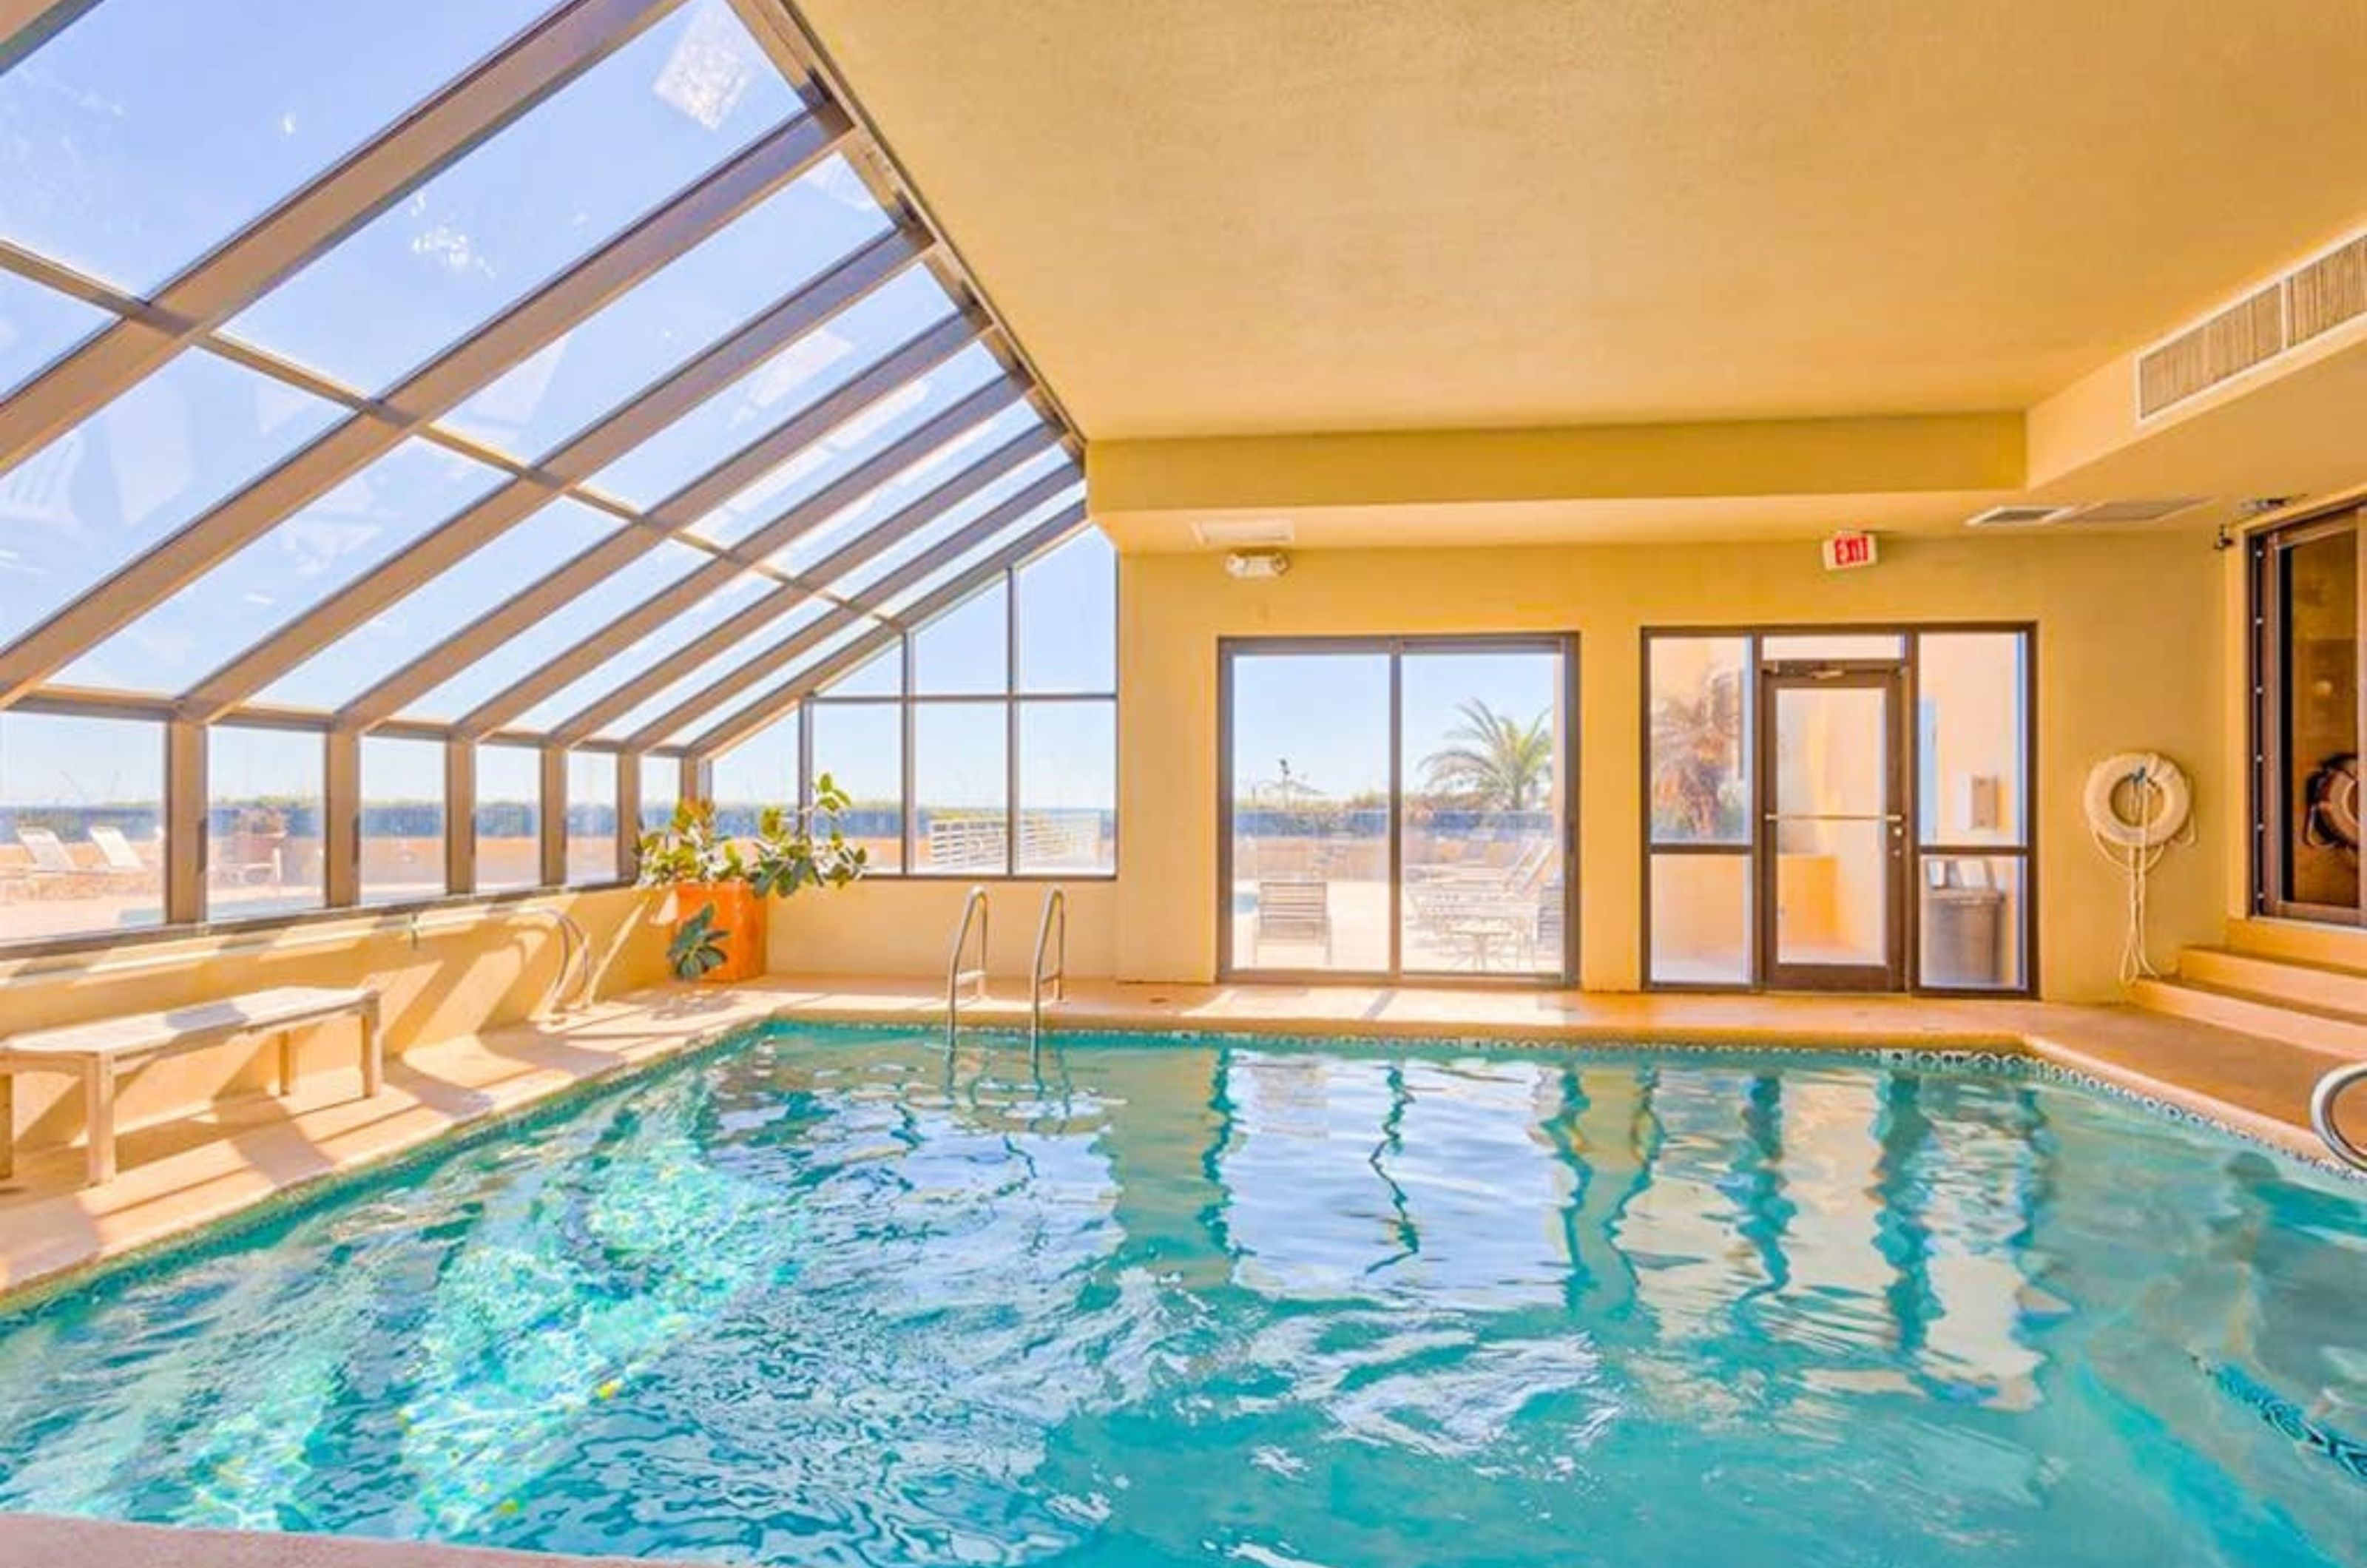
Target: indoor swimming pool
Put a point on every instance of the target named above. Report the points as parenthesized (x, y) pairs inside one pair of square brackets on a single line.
[(821, 1296)]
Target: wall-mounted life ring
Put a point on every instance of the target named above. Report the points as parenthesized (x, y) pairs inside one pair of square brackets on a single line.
[(2158, 789), (2331, 821)]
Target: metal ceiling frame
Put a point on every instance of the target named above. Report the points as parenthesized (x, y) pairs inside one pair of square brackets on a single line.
[(233, 275), (561, 473), (518, 332), (747, 720), (832, 568), (677, 512)]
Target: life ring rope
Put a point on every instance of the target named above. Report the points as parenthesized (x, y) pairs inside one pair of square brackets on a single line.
[(2164, 802)]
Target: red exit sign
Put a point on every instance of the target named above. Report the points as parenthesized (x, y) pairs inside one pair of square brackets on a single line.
[(1847, 550)]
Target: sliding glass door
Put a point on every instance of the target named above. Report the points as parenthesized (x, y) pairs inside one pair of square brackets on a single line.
[(1397, 807)]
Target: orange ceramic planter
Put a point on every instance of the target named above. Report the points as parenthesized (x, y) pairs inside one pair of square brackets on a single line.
[(739, 915)]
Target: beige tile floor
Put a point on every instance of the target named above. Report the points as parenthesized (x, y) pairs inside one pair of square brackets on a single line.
[(183, 1173)]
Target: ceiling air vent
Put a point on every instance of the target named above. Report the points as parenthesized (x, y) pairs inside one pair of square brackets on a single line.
[(1244, 534), (2201, 358), (2019, 516), (2328, 291), (2134, 511)]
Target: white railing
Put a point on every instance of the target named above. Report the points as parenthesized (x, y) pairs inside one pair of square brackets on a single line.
[(1056, 903), (973, 906), (2321, 1112)]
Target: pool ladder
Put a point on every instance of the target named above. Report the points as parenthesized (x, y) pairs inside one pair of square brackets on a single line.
[(1051, 936), (2321, 1112), (973, 908)]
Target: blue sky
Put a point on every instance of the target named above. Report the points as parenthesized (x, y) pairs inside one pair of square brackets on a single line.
[(1328, 714)]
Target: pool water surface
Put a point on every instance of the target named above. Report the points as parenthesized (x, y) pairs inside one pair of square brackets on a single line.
[(835, 1296)]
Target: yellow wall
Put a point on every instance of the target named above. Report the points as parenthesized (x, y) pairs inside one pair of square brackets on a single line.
[(458, 978), (899, 927), (2128, 650)]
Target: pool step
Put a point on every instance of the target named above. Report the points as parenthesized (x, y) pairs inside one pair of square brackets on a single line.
[(2271, 1015), (2308, 982)]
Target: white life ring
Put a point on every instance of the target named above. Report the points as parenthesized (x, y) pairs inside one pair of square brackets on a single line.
[(2160, 788)]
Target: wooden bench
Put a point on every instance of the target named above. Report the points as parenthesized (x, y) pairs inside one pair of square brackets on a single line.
[(100, 1051)]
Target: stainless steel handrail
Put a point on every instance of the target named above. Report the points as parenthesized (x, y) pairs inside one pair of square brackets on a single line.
[(974, 904), (574, 949), (2321, 1112), (1056, 902)]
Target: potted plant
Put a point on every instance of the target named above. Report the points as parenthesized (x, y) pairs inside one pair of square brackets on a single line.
[(719, 888)]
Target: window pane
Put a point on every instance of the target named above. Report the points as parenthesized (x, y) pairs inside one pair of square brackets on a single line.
[(703, 615), (781, 243), (1969, 691), (1311, 817), (150, 129), (440, 607), (759, 772), (2313, 582), (1480, 843), (1833, 645), (902, 490), (508, 818), (792, 380), (849, 523), (591, 816), (882, 675), (287, 570), (577, 618), (37, 324), (1068, 617), (81, 819), (967, 649), (1700, 740), (547, 189), (1972, 925), (959, 824), (135, 471), (402, 819), (1701, 920), (264, 822), (1067, 787), (848, 446), (661, 787), (959, 568), (861, 746)]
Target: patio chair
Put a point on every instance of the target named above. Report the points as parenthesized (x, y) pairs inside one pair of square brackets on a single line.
[(116, 852), (1296, 912)]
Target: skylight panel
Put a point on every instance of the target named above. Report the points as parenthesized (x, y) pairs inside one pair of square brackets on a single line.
[(441, 606), (839, 453), (898, 604), (696, 621), (37, 324), (785, 242), (946, 463), (828, 648), (574, 171), (521, 656), (802, 374), (150, 130), (292, 567), (948, 522), (134, 473), (618, 670)]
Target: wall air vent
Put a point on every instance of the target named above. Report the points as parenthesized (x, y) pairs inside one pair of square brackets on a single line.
[(1244, 534), (2134, 511), (2019, 516), (2202, 357), (2328, 291)]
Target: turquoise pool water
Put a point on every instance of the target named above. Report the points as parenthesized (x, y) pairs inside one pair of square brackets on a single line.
[(828, 1297)]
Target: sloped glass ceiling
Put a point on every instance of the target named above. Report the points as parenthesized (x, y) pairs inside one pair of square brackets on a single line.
[(846, 443)]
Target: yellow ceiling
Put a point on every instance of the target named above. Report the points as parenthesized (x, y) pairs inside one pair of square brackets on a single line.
[(1267, 216)]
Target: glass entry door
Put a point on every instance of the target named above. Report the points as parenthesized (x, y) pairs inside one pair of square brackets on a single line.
[(1833, 762), (2308, 599)]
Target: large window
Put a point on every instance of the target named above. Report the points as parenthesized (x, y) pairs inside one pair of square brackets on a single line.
[(1398, 807), (81, 803), (591, 816), (264, 822), (402, 819), (508, 818), (960, 760), (1840, 811)]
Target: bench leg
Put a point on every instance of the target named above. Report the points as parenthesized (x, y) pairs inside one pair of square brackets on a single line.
[(287, 1062), (7, 1124), (373, 1057), (98, 1112)]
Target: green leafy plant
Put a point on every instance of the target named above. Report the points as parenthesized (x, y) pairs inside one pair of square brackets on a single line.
[(786, 853), (1496, 763), (696, 947)]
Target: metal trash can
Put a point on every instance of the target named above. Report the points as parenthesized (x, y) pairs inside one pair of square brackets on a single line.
[(1963, 937)]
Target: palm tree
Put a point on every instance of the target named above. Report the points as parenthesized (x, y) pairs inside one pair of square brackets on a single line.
[(1697, 753), (1495, 763)]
